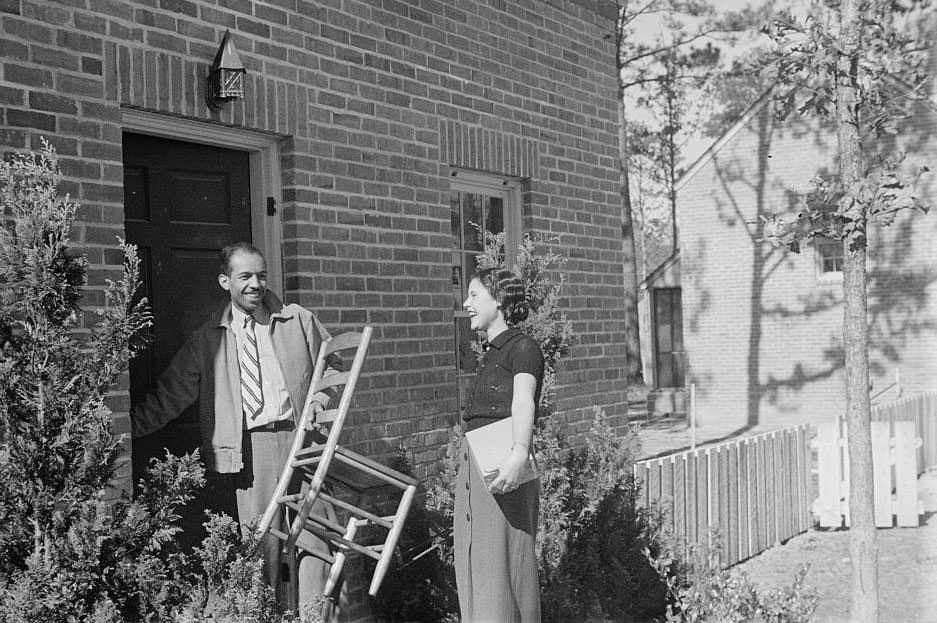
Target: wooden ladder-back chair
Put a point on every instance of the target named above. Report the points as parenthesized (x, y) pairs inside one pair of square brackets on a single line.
[(330, 464)]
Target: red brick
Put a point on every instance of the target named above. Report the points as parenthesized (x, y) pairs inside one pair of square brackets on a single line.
[(122, 32), (79, 42), (27, 75), (14, 7), (43, 12), (76, 85), (195, 30), (113, 8), (10, 49), (12, 96), (30, 119), (180, 6), (242, 6), (91, 66), (90, 23), (252, 26), (12, 139), (102, 192), (54, 58)]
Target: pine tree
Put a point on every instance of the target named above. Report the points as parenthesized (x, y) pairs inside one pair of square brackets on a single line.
[(68, 551), (72, 548)]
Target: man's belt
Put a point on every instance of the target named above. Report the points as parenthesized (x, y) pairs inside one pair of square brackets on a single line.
[(272, 427)]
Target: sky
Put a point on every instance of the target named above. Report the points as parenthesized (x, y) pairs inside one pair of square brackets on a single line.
[(693, 145)]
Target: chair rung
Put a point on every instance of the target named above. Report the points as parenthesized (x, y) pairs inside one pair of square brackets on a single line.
[(304, 462), (312, 454), (331, 525), (292, 497), (347, 340), (353, 459), (340, 541), (283, 537), (333, 380), (358, 511)]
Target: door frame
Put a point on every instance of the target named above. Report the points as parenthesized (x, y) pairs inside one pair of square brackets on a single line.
[(264, 155)]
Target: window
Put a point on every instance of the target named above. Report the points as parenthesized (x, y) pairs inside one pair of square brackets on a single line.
[(477, 203), (829, 257)]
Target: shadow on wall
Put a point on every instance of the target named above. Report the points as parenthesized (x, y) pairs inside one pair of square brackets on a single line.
[(898, 283)]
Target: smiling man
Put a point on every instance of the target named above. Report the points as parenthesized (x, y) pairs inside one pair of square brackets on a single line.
[(249, 368)]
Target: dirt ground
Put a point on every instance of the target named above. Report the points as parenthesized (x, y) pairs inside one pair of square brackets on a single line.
[(907, 566)]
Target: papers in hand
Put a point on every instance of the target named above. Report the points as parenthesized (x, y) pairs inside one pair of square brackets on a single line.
[(491, 445)]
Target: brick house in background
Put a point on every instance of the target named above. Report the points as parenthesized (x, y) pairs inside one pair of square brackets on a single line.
[(371, 134), (759, 328)]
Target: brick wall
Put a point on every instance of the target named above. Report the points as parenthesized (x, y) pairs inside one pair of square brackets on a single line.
[(373, 102), (763, 328)]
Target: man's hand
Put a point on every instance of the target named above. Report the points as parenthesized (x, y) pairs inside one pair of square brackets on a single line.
[(315, 408)]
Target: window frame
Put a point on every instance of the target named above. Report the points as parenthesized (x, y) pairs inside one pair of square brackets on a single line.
[(508, 189), (820, 245)]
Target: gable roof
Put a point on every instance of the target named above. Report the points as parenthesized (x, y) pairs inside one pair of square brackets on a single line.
[(655, 274), (727, 136), (750, 114)]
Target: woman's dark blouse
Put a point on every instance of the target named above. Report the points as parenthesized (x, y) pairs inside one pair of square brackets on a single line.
[(510, 353)]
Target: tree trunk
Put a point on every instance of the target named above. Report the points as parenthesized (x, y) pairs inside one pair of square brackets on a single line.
[(633, 371), (633, 367), (862, 548)]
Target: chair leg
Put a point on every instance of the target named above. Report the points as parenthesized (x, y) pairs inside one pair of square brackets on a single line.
[(390, 544), (289, 597), (335, 571)]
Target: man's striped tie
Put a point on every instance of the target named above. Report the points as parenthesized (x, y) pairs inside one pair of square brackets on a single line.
[(252, 397)]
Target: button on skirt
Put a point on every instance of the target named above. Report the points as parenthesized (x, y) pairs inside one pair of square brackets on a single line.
[(495, 548)]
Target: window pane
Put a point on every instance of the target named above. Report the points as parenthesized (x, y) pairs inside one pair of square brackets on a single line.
[(469, 266), (456, 218), (494, 215), (677, 306), (831, 256), (464, 336), (458, 288), (471, 220), (463, 267)]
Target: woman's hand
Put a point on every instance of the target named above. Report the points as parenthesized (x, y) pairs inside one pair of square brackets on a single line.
[(509, 472)]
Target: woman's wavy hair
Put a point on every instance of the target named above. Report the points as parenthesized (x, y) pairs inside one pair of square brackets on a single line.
[(506, 288)]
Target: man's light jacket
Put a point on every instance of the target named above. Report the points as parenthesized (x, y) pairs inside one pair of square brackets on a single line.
[(206, 369)]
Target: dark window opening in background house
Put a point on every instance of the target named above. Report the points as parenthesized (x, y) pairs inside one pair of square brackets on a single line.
[(668, 338), (829, 256), (477, 204)]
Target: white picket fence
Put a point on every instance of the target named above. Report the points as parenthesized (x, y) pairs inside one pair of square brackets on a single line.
[(758, 489), (894, 473), (921, 410), (904, 445)]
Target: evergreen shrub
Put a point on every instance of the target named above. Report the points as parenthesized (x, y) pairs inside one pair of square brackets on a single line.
[(591, 535), (72, 548)]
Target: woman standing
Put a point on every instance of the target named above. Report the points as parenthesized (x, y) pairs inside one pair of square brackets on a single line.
[(496, 525)]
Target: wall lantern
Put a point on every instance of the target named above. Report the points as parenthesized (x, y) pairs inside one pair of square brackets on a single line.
[(226, 77)]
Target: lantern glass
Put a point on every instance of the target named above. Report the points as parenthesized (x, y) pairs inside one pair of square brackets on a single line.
[(231, 83)]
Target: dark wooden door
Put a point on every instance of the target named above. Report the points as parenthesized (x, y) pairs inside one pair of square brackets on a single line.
[(183, 202), (668, 337)]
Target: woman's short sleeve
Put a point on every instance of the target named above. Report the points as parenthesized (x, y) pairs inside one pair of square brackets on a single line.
[(527, 357)]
